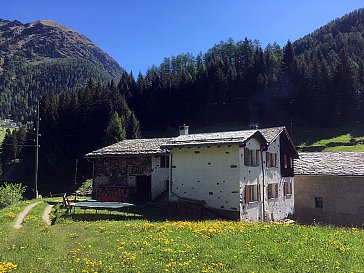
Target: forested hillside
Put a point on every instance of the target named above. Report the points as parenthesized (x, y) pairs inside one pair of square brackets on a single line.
[(72, 124), (315, 81), (44, 57)]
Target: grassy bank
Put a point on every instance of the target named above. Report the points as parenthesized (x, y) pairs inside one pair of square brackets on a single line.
[(342, 139), (140, 243)]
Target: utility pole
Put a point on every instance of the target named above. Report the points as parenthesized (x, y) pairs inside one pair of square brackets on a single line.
[(76, 175), (36, 153)]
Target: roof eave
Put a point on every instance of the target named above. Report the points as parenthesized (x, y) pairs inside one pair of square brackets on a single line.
[(91, 156)]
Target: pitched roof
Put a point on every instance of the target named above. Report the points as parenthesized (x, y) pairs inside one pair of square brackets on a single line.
[(132, 147), (340, 163), (158, 145), (217, 138), (270, 134)]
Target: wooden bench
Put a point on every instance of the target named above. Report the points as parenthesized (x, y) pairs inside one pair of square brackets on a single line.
[(67, 204)]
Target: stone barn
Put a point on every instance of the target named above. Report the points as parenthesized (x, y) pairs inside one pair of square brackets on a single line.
[(135, 170), (329, 188)]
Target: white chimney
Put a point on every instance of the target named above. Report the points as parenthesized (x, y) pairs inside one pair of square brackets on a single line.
[(183, 130)]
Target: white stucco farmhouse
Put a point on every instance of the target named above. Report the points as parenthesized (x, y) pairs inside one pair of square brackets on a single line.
[(245, 175)]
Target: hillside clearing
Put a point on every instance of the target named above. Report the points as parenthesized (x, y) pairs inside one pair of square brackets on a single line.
[(130, 243)]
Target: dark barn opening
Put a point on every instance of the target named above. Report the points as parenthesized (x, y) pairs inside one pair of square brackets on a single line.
[(143, 188)]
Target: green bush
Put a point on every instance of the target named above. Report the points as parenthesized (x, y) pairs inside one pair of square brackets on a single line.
[(10, 194)]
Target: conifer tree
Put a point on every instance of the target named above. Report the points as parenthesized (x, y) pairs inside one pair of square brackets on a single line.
[(115, 131)]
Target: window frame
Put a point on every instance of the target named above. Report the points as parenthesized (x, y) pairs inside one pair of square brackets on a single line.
[(273, 191), (251, 157), (252, 193), (287, 162), (288, 188), (319, 202), (271, 160)]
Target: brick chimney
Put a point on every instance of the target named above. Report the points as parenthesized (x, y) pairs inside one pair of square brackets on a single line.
[(183, 130)]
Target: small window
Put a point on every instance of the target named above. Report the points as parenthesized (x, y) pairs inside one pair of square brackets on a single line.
[(251, 157), (287, 162), (164, 161), (272, 190), (287, 188), (252, 193), (271, 160), (319, 202)]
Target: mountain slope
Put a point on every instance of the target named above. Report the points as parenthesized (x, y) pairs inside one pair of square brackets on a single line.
[(44, 57), (345, 32)]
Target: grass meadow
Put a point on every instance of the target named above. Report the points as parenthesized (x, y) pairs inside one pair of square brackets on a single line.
[(147, 241)]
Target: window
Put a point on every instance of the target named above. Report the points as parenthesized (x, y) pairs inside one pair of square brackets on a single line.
[(271, 160), (319, 202), (251, 157), (287, 162), (287, 188), (252, 193), (272, 190), (164, 161)]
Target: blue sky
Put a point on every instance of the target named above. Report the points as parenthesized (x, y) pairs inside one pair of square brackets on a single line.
[(140, 33)]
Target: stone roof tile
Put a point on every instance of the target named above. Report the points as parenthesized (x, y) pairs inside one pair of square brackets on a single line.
[(132, 147), (326, 163), (158, 145)]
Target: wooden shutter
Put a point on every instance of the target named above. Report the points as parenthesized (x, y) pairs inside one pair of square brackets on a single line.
[(257, 158), (276, 188), (274, 160), (246, 157), (247, 194), (270, 191), (267, 160), (258, 192)]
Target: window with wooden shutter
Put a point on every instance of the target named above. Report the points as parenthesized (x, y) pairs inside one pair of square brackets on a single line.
[(252, 193), (287, 188), (271, 160), (272, 190), (251, 157), (287, 161)]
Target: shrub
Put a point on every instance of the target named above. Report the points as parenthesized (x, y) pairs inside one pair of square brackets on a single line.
[(10, 194), (85, 188)]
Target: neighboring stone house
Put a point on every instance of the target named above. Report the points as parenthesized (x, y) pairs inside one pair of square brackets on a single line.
[(246, 175), (130, 170), (329, 188)]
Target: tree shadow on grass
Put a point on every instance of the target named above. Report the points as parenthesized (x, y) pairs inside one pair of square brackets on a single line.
[(140, 212)]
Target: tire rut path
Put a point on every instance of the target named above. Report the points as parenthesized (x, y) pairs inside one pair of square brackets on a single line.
[(23, 214)]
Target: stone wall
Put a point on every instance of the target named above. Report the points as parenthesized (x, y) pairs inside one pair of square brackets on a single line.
[(115, 171), (342, 199), (123, 171)]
